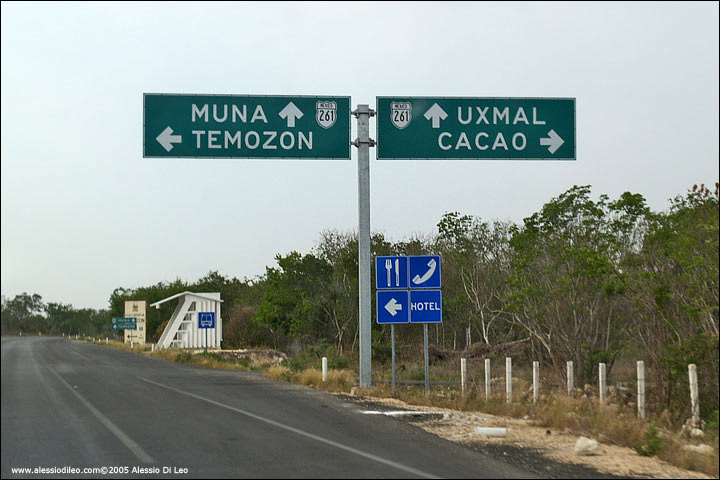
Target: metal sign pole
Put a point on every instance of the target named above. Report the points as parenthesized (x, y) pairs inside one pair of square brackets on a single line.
[(427, 363), (363, 144), (392, 342)]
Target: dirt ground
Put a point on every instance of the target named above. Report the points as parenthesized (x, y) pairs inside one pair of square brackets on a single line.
[(549, 454)]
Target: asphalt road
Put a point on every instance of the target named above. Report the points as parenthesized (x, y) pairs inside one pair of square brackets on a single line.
[(73, 405)]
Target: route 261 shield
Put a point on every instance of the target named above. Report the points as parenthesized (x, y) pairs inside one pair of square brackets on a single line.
[(400, 114), (326, 114)]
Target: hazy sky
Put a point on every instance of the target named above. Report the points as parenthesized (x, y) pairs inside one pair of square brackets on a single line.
[(83, 212)]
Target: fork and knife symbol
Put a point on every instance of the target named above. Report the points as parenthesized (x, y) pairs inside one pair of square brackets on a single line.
[(388, 267)]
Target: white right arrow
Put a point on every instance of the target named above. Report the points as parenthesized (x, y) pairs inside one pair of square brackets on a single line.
[(166, 139), (436, 113), (553, 140), (393, 307), (291, 112)]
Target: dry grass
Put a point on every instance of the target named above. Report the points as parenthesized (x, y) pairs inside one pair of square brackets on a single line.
[(338, 380)]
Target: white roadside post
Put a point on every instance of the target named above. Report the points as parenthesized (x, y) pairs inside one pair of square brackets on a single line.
[(324, 369), (570, 379), (641, 388), (508, 379), (463, 375), (694, 395), (536, 381), (487, 379), (602, 383)]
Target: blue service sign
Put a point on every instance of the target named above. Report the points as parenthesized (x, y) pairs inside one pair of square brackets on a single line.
[(206, 319), (425, 306), (392, 306), (391, 272), (425, 271)]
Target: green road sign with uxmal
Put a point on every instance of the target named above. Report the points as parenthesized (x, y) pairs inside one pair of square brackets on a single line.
[(475, 128), (243, 126)]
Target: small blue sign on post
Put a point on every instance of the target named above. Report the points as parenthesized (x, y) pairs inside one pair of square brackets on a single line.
[(206, 319), (425, 306), (424, 271), (391, 272), (392, 306)]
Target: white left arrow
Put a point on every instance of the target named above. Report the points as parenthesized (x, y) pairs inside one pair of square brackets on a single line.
[(291, 113), (553, 140), (393, 307), (436, 113), (166, 139)]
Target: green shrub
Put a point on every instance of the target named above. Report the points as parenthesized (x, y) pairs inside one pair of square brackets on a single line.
[(652, 444)]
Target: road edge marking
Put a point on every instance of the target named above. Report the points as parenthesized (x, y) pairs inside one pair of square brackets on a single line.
[(303, 433), (131, 444)]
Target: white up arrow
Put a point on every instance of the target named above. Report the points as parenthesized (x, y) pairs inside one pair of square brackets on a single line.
[(166, 139), (392, 307), (291, 112), (437, 114), (553, 140)]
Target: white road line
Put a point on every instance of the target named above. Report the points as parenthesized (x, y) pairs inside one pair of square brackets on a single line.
[(398, 413), (326, 441), (81, 356), (141, 454)]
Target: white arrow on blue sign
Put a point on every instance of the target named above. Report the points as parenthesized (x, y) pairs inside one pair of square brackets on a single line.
[(424, 271), (392, 306)]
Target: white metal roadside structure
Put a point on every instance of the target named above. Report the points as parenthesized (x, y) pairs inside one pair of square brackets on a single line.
[(183, 330)]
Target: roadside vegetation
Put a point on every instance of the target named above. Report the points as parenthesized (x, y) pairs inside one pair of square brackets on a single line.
[(582, 279)]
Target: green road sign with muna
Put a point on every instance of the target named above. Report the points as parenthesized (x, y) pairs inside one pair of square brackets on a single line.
[(124, 323), (475, 128), (244, 126)]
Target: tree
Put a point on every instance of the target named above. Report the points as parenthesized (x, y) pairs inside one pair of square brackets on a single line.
[(566, 276), (476, 269), (674, 290)]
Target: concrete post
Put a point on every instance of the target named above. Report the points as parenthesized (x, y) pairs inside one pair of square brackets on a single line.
[(487, 379), (694, 394), (508, 379), (641, 388)]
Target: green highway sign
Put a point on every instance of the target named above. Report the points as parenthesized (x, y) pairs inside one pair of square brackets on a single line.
[(124, 323), (475, 128), (245, 126)]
